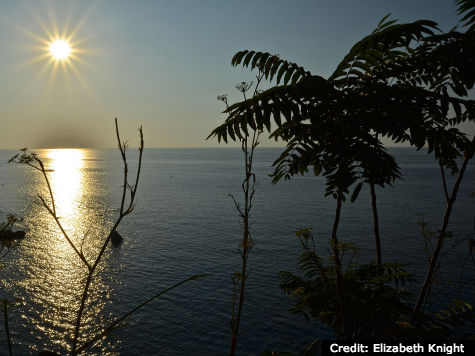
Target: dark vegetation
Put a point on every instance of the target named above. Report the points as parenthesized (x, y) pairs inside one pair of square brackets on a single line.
[(248, 144), (407, 82)]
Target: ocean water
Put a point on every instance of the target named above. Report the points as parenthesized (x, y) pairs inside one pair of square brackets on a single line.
[(185, 224)]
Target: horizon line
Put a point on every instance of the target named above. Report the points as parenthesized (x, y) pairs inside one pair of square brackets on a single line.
[(159, 147)]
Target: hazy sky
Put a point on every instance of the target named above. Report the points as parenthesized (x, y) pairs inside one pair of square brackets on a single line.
[(162, 63)]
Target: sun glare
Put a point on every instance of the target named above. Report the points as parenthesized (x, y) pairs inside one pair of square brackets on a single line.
[(66, 177), (60, 49)]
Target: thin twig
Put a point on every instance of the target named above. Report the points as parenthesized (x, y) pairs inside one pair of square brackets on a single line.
[(122, 148), (444, 182), (53, 214), (27, 159), (122, 214), (125, 316), (7, 329), (42, 169), (236, 204), (246, 244), (426, 286)]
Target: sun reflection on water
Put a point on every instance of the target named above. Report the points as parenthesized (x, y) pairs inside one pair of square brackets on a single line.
[(48, 275), (66, 178)]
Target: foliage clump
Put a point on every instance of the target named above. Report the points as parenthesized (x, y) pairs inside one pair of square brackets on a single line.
[(377, 303), (408, 83)]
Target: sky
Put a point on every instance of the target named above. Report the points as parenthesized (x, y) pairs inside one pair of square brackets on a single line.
[(161, 64)]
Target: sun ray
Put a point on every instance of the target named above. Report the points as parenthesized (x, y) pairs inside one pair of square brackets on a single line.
[(44, 68), (38, 58), (84, 63), (52, 75), (52, 21), (39, 21), (67, 24), (84, 83), (64, 65), (79, 41), (84, 19), (32, 35)]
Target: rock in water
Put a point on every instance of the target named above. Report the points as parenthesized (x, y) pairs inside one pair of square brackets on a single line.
[(19, 234), (116, 238), (12, 235)]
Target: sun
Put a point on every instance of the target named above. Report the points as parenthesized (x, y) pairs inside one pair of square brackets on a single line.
[(60, 49)]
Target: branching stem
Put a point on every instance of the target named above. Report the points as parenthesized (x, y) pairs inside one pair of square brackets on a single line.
[(122, 214), (425, 290), (247, 187)]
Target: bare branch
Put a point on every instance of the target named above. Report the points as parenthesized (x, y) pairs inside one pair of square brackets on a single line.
[(122, 148), (134, 189), (122, 214), (236, 204), (33, 161), (427, 285), (42, 169), (82, 242), (444, 182), (7, 329), (116, 323), (53, 214)]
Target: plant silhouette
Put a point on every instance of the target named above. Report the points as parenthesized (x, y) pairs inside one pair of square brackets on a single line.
[(405, 82), (127, 205)]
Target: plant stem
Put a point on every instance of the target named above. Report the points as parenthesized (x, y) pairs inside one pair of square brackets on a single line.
[(122, 214), (47, 182), (340, 311), (444, 182), (85, 292), (245, 250), (237, 321), (248, 191), (377, 237), (7, 329), (113, 325), (77, 326), (424, 293), (125, 209)]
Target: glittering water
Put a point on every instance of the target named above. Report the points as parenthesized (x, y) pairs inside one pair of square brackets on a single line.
[(185, 224)]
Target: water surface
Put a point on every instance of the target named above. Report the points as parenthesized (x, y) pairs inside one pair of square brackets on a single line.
[(184, 224)]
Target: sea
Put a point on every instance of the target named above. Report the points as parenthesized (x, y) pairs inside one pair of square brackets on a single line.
[(184, 223)]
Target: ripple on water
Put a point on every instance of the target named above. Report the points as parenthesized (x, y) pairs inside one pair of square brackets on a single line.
[(185, 224)]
